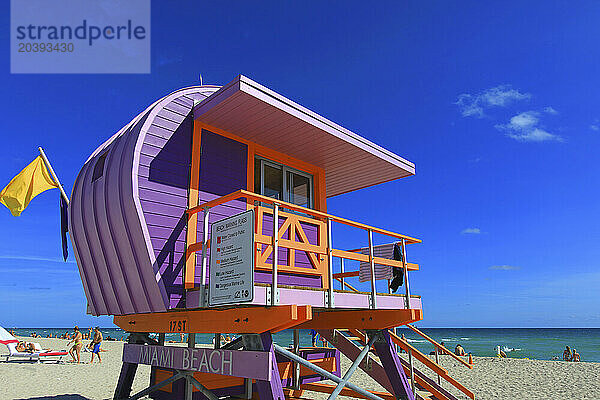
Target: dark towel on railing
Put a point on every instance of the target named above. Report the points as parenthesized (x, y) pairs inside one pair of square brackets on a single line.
[(382, 272), (397, 272)]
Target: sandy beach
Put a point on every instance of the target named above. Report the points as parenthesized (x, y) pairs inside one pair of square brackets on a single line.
[(492, 378)]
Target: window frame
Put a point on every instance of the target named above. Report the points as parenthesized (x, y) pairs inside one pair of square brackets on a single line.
[(284, 170)]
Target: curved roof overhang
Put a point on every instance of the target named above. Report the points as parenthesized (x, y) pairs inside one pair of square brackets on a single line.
[(258, 114)]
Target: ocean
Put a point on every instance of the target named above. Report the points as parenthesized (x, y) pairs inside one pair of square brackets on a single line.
[(534, 343)]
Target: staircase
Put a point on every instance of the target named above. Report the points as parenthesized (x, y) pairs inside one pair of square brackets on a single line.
[(351, 341)]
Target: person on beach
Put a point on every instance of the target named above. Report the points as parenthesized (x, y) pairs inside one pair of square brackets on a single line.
[(25, 347), (403, 338), (575, 356), (459, 351), (314, 336), (439, 350), (78, 343), (96, 342), (567, 354), (500, 353)]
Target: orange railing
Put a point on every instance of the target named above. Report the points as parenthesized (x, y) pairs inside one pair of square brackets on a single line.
[(434, 366), (439, 347), (320, 254)]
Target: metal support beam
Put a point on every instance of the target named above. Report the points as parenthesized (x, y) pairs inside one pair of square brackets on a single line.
[(330, 291), (154, 388), (324, 373), (275, 245), (188, 384), (372, 265), (352, 368), (189, 377), (205, 227), (406, 285), (342, 271), (296, 383), (412, 369)]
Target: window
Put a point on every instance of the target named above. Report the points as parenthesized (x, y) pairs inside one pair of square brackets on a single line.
[(282, 182), (99, 167)]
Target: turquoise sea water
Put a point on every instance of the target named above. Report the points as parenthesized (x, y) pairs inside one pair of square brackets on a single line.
[(535, 343)]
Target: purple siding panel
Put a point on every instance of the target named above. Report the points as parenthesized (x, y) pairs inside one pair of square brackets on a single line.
[(222, 171), (163, 189), (107, 235), (163, 180), (118, 250), (222, 164)]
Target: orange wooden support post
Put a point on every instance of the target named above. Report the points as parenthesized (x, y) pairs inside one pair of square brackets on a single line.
[(470, 359), (192, 225)]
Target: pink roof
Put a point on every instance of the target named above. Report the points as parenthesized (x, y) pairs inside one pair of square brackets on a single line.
[(258, 114)]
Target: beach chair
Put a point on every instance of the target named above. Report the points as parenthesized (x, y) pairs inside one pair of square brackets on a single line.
[(38, 356)]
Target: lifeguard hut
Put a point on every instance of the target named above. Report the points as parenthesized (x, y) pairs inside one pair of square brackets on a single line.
[(207, 213)]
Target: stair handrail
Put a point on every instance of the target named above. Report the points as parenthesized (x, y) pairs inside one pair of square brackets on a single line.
[(439, 346), (435, 367)]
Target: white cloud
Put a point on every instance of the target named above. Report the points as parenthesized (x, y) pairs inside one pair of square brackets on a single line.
[(535, 135), (524, 127), (596, 125), (473, 105), (504, 268), (524, 120), (550, 110), (470, 231)]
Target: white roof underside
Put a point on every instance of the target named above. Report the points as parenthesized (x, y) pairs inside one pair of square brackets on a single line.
[(256, 113)]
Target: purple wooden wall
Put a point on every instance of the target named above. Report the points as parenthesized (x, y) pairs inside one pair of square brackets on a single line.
[(164, 176), (222, 171)]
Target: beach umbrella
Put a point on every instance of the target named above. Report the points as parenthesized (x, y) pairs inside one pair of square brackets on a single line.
[(6, 338)]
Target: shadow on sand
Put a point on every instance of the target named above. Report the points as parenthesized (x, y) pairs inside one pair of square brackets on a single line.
[(58, 397)]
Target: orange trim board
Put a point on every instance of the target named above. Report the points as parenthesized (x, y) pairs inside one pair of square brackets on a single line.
[(361, 319), (234, 320)]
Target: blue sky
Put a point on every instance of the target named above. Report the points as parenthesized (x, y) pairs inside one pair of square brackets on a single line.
[(496, 104)]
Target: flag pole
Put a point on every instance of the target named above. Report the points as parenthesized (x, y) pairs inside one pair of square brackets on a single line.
[(62, 191)]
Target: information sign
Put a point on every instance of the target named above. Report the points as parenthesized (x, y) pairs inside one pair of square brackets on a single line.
[(232, 260)]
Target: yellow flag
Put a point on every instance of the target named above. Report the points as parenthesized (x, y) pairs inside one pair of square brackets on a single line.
[(33, 180)]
